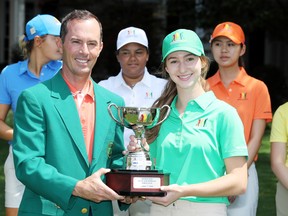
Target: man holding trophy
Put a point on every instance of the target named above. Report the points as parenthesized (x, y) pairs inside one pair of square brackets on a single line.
[(64, 140)]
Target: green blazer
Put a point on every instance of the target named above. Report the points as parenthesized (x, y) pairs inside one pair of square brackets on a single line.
[(49, 149)]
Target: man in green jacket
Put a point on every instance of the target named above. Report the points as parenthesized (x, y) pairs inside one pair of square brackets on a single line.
[(65, 141)]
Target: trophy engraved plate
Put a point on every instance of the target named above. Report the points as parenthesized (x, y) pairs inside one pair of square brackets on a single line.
[(138, 178), (146, 182)]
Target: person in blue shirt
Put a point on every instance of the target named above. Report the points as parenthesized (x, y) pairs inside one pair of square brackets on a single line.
[(42, 60)]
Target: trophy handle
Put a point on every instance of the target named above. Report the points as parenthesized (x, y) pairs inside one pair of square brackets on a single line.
[(158, 114), (111, 114), (166, 115)]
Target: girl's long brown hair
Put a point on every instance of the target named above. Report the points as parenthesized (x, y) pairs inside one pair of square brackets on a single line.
[(168, 94)]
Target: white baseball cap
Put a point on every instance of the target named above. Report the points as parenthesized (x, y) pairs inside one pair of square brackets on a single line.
[(131, 35)]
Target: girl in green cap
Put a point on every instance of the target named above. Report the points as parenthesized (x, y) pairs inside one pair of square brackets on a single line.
[(205, 156)]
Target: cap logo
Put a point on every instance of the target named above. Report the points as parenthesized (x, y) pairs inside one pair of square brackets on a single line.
[(131, 32), (177, 37), (227, 28), (32, 31)]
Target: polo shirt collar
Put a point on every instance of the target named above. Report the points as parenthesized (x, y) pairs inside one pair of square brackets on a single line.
[(23, 67), (203, 101), (239, 79), (74, 91), (146, 80), (53, 65)]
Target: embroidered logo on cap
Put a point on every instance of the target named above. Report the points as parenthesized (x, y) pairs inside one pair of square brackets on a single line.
[(32, 31), (178, 37)]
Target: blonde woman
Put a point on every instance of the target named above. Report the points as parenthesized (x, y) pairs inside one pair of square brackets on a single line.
[(42, 61)]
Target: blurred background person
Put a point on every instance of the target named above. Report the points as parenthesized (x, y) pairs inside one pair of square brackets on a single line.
[(279, 161), (136, 86), (42, 61), (249, 96)]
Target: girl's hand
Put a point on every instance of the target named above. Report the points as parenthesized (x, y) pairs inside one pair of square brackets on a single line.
[(173, 193)]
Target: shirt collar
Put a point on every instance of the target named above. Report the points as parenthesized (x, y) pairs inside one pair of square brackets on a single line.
[(23, 67), (146, 80), (53, 65), (203, 101), (239, 79), (74, 91)]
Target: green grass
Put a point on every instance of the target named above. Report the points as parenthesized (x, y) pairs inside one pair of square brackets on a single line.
[(267, 181)]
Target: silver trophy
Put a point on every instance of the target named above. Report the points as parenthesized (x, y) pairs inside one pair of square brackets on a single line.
[(138, 119)]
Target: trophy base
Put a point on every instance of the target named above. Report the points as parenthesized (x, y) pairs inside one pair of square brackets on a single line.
[(137, 182)]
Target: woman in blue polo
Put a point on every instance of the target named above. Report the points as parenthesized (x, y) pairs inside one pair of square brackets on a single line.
[(201, 143), (40, 48)]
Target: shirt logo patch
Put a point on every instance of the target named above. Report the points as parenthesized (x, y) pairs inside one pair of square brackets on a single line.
[(201, 122), (243, 96), (148, 95)]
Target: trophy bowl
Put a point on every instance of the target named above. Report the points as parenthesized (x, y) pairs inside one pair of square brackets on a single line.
[(138, 177)]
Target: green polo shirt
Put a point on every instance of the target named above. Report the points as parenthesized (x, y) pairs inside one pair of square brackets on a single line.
[(192, 147)]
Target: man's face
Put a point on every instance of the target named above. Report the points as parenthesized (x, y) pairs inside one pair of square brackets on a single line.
[(81, 47)]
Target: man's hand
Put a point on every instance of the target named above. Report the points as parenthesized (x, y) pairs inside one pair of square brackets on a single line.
[(93, 188)]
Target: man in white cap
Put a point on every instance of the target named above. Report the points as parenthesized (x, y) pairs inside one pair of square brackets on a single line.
[(137, 86)]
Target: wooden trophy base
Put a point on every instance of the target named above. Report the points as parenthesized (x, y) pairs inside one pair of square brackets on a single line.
[(137, 182)]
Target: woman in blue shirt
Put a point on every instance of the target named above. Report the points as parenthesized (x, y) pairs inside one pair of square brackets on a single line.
[(40, 48)]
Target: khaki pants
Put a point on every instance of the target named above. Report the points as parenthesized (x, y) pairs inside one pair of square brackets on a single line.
[(140, 208), (182, 207), (246, 204), (281, 200)]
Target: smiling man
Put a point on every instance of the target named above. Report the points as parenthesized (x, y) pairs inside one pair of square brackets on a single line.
[(65, 140)]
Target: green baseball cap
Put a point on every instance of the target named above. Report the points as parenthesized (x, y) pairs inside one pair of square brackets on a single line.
[(182, 40)]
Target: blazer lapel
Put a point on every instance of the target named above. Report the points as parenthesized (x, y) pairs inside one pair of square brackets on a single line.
[(101, 128), (67, 110)]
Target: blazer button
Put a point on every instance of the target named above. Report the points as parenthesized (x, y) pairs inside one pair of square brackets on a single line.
[(84, 210)]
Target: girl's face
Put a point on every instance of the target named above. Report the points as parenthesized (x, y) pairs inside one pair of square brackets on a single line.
[(50, 48), (184, 68), (225, 52)]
